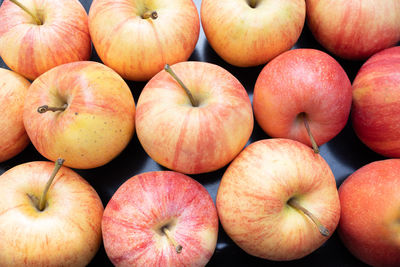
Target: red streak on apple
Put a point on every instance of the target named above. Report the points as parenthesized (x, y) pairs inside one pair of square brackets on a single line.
[(147, 202)]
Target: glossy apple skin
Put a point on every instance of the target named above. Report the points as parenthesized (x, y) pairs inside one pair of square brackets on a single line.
[(376, 103), (98, 122), (253, 194), (302, 81), (143, 205), (13, 88), (66, 233), (139, 48), (354, 29), (369, 224), (194, 139), (244, 36), (30, 49)]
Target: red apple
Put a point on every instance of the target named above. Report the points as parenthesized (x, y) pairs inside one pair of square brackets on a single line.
[(302, 86), (251, 32), (137, 38), (370, 218), (61, 35), (160, 219), (354, 29), (90, 114), (194, 137), (278, 200), (376, 103), (66, 231), (13, 88)]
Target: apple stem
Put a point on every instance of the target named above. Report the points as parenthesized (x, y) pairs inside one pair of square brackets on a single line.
[(37, 20), (45, 108), (178, 248), (168, 69), (313, 143), (150, 14), (296, 205), (42, 202)]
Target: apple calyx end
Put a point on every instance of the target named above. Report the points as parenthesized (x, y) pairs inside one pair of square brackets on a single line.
[(193, 101)]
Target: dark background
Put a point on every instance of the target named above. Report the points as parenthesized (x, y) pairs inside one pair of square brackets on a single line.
[(345, 153)]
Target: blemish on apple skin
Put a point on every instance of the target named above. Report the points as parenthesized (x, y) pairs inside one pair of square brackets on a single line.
[(76, 113)]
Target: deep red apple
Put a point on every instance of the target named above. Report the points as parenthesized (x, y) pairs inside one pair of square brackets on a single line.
[(376, 103), (54, 33), (354, 29), (160, 219), (370, 218), (300, 89)]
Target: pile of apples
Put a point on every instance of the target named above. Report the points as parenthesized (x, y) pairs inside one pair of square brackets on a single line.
[(277, 199)]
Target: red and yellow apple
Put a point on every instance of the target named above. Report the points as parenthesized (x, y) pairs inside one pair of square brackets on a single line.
[(354, 29), (83, 112), (370, 218), (66, 232), (194, 138), (137, 38), (278, 200), (251, 32), (302, 87), (60, 35), (160, 219), (13, 88), (376, 103)]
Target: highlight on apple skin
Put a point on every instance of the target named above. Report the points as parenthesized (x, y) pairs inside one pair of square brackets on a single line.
[(369, 224), (66, 232), (278, 200), (59, 36), (160, 218), (376, 103), (13, 89), (83, 112), (196, 137)]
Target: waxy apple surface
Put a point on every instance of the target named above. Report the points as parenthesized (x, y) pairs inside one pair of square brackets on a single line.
[(31, 49), (354, 29), (135, 216), (302, 83), (192, 139), (370, 218), (97, 123), (137, 47), (252, 199), (13, 88), (248, 33), (376, 103), (66, 233)]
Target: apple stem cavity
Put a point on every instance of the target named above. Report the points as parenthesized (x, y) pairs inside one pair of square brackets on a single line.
[(296, 205), (45, 108), (150, 14), (312, 140), (36, 18), (42, 202), (178, 248), (168, 69), (252, 3)]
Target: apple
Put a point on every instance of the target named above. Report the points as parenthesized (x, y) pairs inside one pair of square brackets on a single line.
[(137, 38), (376, 103), (43, 225), (36, 36), (160, 219), (13, 88), (196, 130), (278, 200), (83, 112), (369, 224), (251, 32), (303, 94), (354, 29)]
